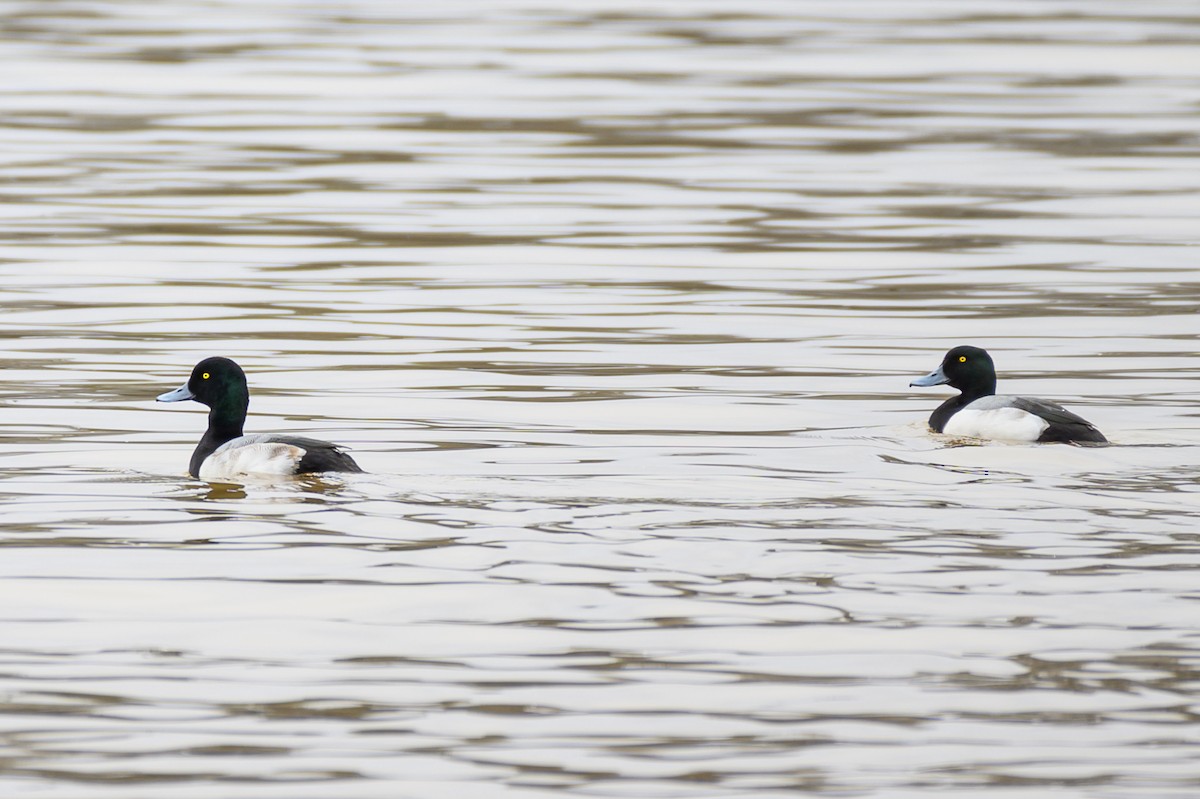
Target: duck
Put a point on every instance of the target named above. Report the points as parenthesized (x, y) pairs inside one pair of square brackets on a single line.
[(979, 412), (224, 451)]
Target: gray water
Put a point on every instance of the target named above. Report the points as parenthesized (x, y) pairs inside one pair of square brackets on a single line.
[(618, 305)]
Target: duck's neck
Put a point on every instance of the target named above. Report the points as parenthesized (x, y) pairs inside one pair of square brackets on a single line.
[(953, 405), (225, 421), (985, 388)]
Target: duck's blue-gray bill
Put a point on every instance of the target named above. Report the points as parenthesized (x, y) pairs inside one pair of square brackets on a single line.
[(934, 378), (178, 395)]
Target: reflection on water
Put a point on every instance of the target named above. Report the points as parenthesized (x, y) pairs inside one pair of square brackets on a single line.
[(618, 307)]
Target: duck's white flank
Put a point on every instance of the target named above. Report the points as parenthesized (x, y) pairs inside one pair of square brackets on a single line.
[(251, 455), (994, 417)]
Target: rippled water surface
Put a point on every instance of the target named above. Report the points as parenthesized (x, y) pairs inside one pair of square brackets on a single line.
[(618, 305)]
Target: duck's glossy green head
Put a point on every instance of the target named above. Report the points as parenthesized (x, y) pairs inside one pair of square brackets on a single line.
[(969, 369), (215, 382)]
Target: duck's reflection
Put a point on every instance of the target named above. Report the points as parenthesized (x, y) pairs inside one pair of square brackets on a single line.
[(283, 489), (225, 491)]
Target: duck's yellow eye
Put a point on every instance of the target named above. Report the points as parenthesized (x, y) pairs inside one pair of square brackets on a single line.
[(961, 359), (205, 375)]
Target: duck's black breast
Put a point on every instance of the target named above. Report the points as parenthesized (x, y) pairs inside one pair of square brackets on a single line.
[(939, 418)]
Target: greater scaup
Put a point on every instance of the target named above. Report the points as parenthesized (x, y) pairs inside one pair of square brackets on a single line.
[(980, 413), (220, 384)]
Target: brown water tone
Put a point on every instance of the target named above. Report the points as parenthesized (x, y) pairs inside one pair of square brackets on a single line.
[(617, 303)]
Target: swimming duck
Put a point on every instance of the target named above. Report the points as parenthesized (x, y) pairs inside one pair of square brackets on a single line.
[(220, 384), (980, 413)]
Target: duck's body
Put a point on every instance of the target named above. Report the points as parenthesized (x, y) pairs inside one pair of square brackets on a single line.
[(1008, 418), (978, 412), (270, 454), (224, 451)]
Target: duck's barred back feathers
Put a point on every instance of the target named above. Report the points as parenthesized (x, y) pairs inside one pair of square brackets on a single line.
[(320, 456), (1064, 426)]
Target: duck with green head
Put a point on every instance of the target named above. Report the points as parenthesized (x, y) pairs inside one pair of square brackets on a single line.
[(978, 412), (224, 451)]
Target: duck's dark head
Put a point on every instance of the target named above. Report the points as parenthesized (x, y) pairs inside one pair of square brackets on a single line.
[(969, 369), (218, 383)]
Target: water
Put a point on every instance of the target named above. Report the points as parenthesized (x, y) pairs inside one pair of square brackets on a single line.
[(618, 306)]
